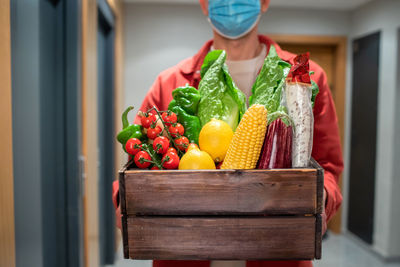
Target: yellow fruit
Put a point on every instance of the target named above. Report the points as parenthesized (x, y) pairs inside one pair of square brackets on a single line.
[(214, 138), (191, 146), (194, 159)]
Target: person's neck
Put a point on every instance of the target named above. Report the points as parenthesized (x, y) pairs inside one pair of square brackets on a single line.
[(246, 47)]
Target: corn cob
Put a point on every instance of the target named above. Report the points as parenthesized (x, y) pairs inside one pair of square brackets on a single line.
[(244, 149)]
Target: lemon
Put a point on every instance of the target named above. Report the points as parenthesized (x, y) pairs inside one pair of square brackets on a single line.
[(214, 138), (194, 159)]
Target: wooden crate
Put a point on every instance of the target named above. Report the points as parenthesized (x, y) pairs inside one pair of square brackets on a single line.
[(222, 214)]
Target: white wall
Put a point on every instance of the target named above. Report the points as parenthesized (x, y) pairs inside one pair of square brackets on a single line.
[(384, 16), (305, 21), (158, 36), (395, 240)]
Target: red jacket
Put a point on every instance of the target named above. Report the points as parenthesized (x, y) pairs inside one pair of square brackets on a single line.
[(326, 146)]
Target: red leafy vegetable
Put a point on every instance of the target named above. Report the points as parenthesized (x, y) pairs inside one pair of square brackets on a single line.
[(277, 148), (300, 69)]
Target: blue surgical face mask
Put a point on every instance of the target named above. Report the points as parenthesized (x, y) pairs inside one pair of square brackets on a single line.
[(233, 18)]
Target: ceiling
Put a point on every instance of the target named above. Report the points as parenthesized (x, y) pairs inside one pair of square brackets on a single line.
[(316, 4)]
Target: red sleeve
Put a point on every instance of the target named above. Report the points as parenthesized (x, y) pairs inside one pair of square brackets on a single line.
[(326, 146), (115, 200)]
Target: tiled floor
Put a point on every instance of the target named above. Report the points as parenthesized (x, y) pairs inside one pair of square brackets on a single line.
[(337, 251), (343, 251)]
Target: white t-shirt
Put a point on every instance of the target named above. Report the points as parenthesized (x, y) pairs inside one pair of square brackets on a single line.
[(244, 74)]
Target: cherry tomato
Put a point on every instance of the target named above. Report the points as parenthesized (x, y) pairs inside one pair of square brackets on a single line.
[(142, 159), (154, 168), (133, 146), (176, 129), (182, 143), (173, 150), (153, 112), (161, 144), (153, 132), (171, 160), (147, 120), (169, 117)]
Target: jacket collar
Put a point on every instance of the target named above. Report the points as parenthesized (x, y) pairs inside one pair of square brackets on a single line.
[(194, 64)]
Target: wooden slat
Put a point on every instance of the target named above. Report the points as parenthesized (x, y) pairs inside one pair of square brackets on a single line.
[(318, 236), (122, 193), (320, 185), (233, 192), (7, 240), (199, 238), (125, 236), (122, 202)]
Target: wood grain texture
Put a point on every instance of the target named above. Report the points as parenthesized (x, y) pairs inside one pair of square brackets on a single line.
[(335, 223), (320, 185), (233, 192), (7, 240), (125, 238), (89, 132), (201, 238), (122, 192), (122, 202), (318, 236), (307, 39)]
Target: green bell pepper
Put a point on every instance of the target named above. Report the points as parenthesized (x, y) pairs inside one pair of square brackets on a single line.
[(129, 130), (187, 97), (185, 102), (191, 123)]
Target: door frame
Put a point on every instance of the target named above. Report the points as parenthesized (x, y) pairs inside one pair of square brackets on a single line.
[(89, 119), (339, 43), (45, 38), (106, 32), (7, 241), (73, 138), (60, 112)]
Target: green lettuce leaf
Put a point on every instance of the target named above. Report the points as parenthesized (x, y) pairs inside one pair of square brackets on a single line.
[(314, 90), (210, 58), (220, 97), (270, 81)]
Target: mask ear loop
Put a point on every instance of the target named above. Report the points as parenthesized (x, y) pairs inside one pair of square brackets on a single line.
[(240, 35)]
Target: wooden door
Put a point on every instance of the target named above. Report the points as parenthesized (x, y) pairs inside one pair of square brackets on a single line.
[(323, 55), (7, 234), (330, 54)]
